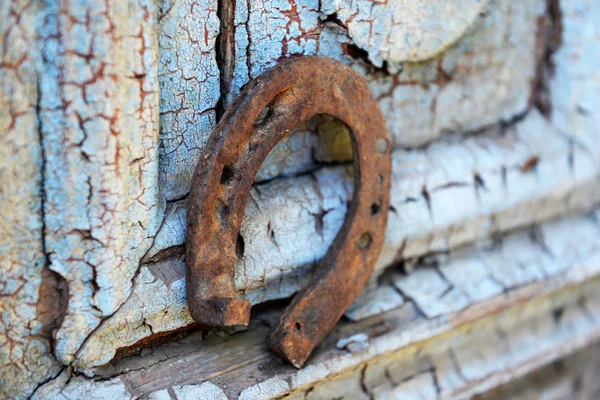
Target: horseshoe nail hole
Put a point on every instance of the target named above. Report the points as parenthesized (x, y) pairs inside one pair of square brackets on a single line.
[(298, 326), (239, 246), (375, 207), (261, 117), (380, 179), (224, 211), (381, 145), (227, 174), (365, 240)]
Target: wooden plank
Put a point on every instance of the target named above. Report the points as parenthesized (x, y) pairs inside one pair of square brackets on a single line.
[(574, 377), (463, 360), (483, 78), (27, 287), (200, 357), (472, 360), (286, 228), (99, 125)]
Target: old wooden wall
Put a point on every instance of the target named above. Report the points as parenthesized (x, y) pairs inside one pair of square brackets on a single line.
[(490, 266)]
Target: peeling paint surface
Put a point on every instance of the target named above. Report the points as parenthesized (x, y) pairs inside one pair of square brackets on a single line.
[(396, 31), (458, 209), (483, 78), (188, 77), (469, 361), (25, 324), (444, 196), (65, 388), (98, 120), (105, 108), (490, 336)]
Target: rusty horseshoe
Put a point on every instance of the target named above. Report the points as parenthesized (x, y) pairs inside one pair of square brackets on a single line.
[(291, 92)]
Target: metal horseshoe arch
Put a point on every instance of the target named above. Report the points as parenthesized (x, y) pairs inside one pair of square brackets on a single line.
[(291, 93)]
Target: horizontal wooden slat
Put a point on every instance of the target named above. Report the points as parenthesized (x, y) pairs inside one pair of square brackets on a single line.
[(527, 251), (474, 359), (468, 348), (475, 188), (446, 195), (573, 377)]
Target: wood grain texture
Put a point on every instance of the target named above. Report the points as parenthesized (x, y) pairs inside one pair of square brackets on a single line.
[(99, 124), (492, 337), (444, 196), (483, 78), (91, 266), (26, 286)]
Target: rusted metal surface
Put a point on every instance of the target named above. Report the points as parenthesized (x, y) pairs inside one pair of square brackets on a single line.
[(290, 93)]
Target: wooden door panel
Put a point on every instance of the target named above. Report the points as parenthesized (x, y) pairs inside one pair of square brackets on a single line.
[(445, 195), (105, 108)]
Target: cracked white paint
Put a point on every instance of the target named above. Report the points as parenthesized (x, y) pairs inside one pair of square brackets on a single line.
[(205, 390), (25, 352), (189, 88), (265, 390), (475, 359), (456, 361), (65, 387), (286, 229), (470, 276), (97, 70), (570, 276), (485, 77), (396, 31), (446, 284), (573, 377), (577, 82), (99, 123), (374, 300)]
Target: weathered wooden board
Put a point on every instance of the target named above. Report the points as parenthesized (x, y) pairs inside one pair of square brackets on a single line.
[(466, 352), (84, 173), (445, 195), (533, 256), (99, 123), (26, 287), (476, 188), (486, 77), (574, 377), (473, 359), (79, 174)]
